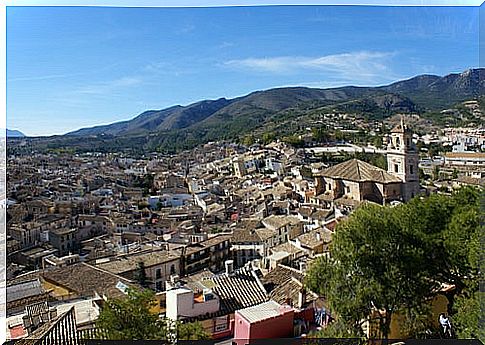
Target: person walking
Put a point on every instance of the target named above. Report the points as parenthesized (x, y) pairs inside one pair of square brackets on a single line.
[(445, 325)]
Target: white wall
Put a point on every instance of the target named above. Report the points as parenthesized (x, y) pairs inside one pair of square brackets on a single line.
[(180, 303)]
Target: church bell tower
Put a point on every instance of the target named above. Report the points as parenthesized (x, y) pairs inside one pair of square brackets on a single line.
[(403, 159)]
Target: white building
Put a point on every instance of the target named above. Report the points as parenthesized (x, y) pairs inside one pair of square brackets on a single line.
[(183, 303)]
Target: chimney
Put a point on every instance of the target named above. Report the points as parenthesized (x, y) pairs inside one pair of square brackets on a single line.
[(229, 266), (301, 297), (319, 237)]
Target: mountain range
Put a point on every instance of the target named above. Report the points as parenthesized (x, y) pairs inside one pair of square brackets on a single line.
[(13, 133), (421, 93), (182, 127)]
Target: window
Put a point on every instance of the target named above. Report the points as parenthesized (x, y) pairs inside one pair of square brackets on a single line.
[(159, 286), (219, 328), (172, 269), (396, 167), (411, 170), (158, 274)]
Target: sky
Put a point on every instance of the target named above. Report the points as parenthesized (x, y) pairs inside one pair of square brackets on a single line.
[(74, 67)]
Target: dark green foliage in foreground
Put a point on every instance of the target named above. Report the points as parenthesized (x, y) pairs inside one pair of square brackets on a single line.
[(130, 319), (392, 258)]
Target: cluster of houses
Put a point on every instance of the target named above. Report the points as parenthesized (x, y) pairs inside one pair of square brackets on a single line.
[(223, 234)]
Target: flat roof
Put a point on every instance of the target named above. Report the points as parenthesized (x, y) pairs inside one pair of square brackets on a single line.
[(262, 311), (458, 155)]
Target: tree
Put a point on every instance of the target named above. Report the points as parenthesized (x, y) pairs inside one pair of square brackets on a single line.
[(375, 268), (268, 137), (191, 331), (319, 134), (294, 141), (339, 135), (392, 259), (249, 140), (466, 320), (422, 175), (418, 324), (454, 175), (130, 318), (377, 141), (436, 172), (336, 330)]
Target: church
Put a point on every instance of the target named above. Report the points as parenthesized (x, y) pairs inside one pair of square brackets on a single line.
[(354, 181)]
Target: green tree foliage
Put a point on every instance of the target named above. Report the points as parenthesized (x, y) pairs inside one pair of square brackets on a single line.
[(306, 172), (320, 134), (436, 173), (130, 318), (145, 182), (294, 141), (159, 206), (467, 317), (268, 137), (418, 323), (377, 141), (248, 140), (337, 330), (191, 331), (143, 205), (422, 175), (391, 259), (454, 175), (339, 135)]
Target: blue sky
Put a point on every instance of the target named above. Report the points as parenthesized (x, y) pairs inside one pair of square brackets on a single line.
[(72, 67)]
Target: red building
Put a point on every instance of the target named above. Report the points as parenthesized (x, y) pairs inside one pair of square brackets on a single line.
[(264, 321)]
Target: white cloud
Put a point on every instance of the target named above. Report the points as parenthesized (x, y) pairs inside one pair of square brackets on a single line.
[(353, 66), (43, 77), (109, 86), (165, 68)]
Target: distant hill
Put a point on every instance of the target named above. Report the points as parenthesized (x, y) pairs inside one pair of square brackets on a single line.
[(424, 92), (159, 120), (183, 127), (434, 92), (13, 133)]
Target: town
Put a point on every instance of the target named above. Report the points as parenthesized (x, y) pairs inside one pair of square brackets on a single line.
[(222, 234)]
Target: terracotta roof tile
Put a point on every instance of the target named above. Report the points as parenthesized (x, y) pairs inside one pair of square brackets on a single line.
[(359, 171), (85, 279)]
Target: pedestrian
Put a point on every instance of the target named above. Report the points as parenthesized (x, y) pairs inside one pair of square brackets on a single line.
[(445, 324)]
